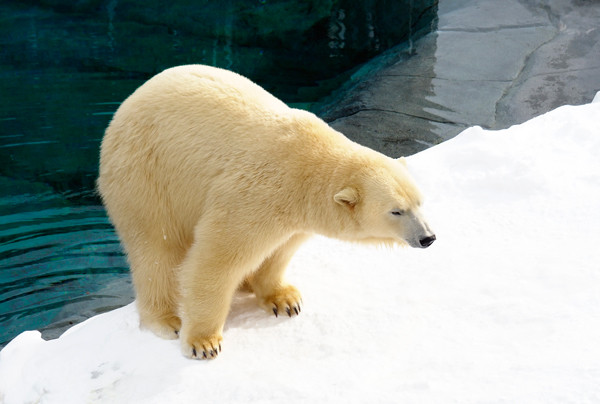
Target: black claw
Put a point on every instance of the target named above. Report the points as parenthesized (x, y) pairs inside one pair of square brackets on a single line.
[(219, 347), (204, 354), (212, 353), (194, 352), (296, 310), (177, 332), (288, 311), (275, 311)]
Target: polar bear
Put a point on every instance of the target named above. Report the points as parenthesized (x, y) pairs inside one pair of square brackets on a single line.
[(213, 183)]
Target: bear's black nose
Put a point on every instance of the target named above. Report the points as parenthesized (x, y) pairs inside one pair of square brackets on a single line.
[(427, 241)]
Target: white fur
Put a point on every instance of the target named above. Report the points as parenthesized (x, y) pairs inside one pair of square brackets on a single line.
[(211, 182)]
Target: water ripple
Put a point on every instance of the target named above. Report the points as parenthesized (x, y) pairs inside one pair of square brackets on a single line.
[(58, 265)]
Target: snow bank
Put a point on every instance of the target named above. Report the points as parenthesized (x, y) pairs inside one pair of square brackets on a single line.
[(504, 307)]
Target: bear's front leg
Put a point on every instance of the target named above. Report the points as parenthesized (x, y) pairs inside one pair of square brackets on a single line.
[(268, 283), (208, 281), (220, 257)]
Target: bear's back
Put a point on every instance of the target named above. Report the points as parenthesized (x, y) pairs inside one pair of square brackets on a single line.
[(205, 92), (219, 87), (200, 107)]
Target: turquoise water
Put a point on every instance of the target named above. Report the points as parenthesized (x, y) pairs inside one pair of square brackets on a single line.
[(60, 259), (59, 263)]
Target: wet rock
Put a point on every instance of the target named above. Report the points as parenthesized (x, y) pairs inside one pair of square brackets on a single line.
[(563, 70), (489, 63)]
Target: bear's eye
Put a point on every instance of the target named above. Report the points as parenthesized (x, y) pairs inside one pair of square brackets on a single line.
[(397, 212)]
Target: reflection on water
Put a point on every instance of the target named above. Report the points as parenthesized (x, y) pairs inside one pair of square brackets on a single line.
[(64, 69), (51, 132)]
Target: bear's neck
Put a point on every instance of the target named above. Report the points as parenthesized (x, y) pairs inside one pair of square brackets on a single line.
[(326, 172)]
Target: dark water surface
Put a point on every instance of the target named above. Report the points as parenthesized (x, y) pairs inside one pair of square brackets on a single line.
[(66, 66), (57, 261)]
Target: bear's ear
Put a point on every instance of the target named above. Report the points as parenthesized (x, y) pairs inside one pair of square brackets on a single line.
[(347, 197), (402, 160)]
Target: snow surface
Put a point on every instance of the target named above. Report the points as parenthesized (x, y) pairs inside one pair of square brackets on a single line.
[(503, 308)]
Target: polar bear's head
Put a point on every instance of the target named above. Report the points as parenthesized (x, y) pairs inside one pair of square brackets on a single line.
[(384, 204)]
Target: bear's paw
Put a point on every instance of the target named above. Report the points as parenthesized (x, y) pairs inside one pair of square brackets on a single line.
[(164, 327), (283, 300), (202, 347)]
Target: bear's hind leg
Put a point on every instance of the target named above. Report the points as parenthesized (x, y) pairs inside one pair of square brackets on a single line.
[(156, 287), (268, 284)]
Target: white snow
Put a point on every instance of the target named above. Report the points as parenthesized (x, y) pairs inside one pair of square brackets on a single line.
[(503, 308)]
